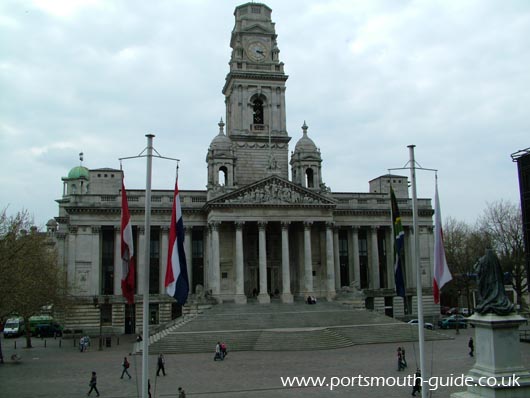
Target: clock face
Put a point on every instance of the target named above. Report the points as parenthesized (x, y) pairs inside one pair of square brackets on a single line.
[(257, 51)]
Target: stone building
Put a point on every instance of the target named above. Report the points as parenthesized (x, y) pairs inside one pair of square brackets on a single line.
[(255, 233)]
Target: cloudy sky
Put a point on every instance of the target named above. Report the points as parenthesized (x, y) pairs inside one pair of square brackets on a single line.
[(369, 77)]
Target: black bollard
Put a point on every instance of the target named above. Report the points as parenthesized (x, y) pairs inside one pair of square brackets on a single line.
[(15, 344), (118, 340), (60, 341), (44, 343)]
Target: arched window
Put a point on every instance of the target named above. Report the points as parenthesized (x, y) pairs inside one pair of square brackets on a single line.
[(257, 111), (309, 178), (223, 176)]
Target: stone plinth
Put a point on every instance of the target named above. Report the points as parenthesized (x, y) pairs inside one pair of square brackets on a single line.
[(498, 358)]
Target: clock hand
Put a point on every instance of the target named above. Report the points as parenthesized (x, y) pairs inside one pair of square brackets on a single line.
[(260, 52)]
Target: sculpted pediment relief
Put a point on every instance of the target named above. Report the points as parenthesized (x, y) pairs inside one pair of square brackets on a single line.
[(274, 191)]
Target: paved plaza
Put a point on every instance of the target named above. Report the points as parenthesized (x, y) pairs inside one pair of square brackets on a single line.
[(64, 372)]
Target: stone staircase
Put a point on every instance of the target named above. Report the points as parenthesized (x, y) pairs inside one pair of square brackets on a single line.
[(282, 327)]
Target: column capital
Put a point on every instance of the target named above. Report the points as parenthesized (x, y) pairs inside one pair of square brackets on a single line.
[(308, 224), (355, 228), (285, 224), (96, 229), (330, 224), (239, 224), (117, 229), (214, 225), (141, 229), (164, 228), (188, 228), (262, 224), (73, 229)]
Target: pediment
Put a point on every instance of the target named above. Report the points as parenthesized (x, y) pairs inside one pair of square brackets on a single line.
[(273, 191)]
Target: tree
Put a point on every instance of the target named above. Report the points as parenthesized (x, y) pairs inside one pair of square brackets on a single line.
[(30, 276), (464, 245), (502, 223)]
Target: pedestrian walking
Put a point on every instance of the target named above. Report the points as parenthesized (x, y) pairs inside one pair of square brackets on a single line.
[(403, 357), (160, 365), (400, 364), (417, 383), (149, 387), (93, 385), (471, 346), (218, 353), (182, 393), (125, 364)]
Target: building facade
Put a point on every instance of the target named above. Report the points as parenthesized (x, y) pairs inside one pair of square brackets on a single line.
[(255, 233)]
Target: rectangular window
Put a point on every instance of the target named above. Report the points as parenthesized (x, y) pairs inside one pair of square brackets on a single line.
[(153, 314), (154, 261), (106, 314), (107, 260)]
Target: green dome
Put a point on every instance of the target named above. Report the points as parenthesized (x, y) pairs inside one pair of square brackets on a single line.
[(78, 172)]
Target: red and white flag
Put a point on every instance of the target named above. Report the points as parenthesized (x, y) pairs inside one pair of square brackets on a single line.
[(442, 275), (127, 249)]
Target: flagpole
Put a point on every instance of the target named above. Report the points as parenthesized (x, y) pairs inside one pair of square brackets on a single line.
[(147, 236), (419, 291)]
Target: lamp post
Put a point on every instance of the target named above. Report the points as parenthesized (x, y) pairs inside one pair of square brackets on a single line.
[(95, 300)]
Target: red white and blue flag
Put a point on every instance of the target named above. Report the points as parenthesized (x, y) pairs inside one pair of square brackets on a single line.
[(176, 283), (442, 275), (127, 249)]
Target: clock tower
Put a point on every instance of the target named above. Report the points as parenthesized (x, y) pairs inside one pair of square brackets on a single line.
[(255, 97)]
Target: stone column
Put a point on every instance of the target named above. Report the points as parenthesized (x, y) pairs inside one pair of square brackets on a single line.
[(71, 269), (118, 267), (308, 261), (355, 254), (216, 261), (391, 284), (263, 296), (96, 271), (336, 258), (164, 251), (188, 229), (207, 272), (330, 263), (140, 261), (374, 259), (287, 297), (240, 297)]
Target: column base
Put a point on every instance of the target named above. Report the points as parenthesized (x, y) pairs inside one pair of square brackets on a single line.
[(287, 298), (331, 296), (240, 299), (264, 299)]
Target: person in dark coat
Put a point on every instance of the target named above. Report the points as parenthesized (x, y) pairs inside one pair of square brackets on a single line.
[(160, 365), (417, 383), (471, 346), (93, 385), (125, 364), (401, 365)]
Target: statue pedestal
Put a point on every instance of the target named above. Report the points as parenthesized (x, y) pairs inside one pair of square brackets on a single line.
[(498, 359)]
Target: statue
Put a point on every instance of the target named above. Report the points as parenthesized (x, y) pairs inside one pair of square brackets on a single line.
[(491, 294)]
